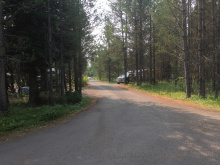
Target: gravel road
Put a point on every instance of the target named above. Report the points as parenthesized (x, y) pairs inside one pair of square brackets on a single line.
[(125, 127)]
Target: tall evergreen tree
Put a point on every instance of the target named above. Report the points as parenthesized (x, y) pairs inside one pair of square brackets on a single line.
[(201, 47), (218, 55), (3, 95), (185, 50)]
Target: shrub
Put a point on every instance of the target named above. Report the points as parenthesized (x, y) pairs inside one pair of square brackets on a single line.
[(43, 98), (50, 115), (59, 99), (73, 97), (85, 81)]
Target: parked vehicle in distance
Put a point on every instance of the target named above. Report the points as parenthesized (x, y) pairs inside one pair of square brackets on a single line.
[(25, 89), (120, 80)]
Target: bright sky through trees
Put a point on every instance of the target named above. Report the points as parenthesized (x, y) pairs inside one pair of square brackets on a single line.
[(103, 9)]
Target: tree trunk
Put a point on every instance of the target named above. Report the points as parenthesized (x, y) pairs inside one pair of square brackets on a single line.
[(34, 91), (189, 43), (3, 94), (123, 44), (218, 55), (80, 62), (185, 50), (126, 53), (201, 50), (213, 46), (154, 56), (76, 72), (61, 50), (51, 97), (57, 78), (141, 61), (12, 81), (136, 51), (150, 61), (109, 69), (70, 76)]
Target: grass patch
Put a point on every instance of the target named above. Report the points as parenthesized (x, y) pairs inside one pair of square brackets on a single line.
[(170, 90), (22, 117)]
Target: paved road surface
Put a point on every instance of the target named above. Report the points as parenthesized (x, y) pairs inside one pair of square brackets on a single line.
[(123, 128)]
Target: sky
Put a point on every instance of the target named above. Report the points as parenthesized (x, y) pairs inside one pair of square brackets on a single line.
[(102, 10)]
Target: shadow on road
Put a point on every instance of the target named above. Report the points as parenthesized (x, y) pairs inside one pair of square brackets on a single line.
[(159, 133)]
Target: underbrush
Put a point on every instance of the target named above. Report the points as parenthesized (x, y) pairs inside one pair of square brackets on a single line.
[(85, 81), (23, 117), (177, 92)]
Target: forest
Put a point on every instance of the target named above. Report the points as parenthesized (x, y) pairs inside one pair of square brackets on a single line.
[(43, 47), (46, 45), (162, 40)]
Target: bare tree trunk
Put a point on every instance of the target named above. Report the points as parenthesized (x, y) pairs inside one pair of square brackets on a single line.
[(57, 78), (213, 46), (154, 53), (154, 56), (201, 50), (136, 51), (204, 46), (34, 91), (185, 50), (140, 45), (65, 86), (12, 81), (109, 68), (189, 42), (70, 76), (61, 50), (3, 94), (51, 97), (76, 81), (218, 54), (150, 62), (124, 50), (80, 65)]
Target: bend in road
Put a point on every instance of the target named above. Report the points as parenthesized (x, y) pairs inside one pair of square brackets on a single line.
[(124, 127)]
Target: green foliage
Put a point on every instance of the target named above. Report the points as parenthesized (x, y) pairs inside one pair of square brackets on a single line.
[(73, 97), (176, 92), (85, 81), (50, 115), (90, 71), (27, 28), (22, 117), (42, 99)]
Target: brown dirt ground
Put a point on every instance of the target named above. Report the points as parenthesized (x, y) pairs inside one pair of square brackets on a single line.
[(166, 99)]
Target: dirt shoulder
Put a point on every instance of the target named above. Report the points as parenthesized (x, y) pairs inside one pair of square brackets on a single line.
[(167, 99)]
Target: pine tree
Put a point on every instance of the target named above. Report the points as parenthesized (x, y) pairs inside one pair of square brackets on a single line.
[(3, 95)]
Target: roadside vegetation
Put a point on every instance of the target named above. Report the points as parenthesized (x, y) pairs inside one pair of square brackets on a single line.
[(176, 92), (22, 117)]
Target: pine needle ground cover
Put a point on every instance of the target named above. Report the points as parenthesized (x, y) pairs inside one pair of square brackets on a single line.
[(177, 92), (23, 118)]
